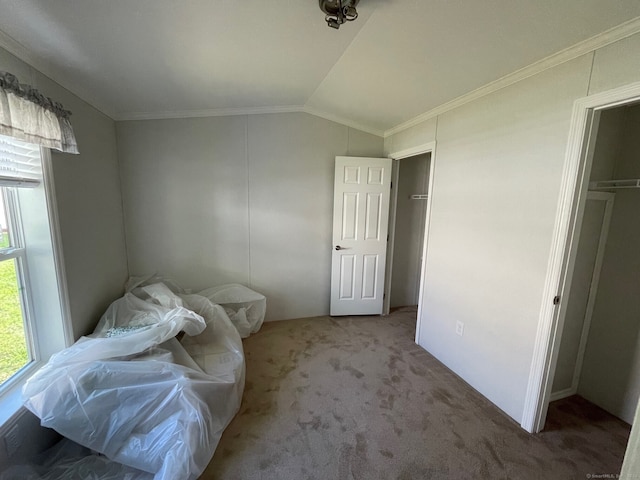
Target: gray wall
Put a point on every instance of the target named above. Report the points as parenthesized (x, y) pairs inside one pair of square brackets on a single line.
[(243, 199), (90, 212), (498, 166), (611, 370), (413, 178)]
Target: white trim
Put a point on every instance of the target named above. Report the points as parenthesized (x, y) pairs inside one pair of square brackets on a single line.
[(413, 151), (23, 53), (559, 395), (393, 215), (56, 240), (596, 42), (399, 155), (423, 267), (228, 112), (211, 112), (341, 120), (14, 47), (573, 192), (11, 397)]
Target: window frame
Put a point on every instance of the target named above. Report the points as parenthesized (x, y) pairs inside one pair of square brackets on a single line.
[(39, 346)]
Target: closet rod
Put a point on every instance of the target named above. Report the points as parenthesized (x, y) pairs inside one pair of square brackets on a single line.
[(419, 197), (614, 184)]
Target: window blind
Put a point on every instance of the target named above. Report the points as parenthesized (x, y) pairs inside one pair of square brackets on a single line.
[(20, 164)]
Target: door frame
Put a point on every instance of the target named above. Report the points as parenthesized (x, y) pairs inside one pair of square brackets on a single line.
[(569, 214), (397, 156)]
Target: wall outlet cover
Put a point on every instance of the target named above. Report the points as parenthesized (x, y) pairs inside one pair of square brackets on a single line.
[(459, 328)]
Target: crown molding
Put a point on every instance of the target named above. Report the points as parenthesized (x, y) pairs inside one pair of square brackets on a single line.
[(23, 53), (227, 112), (589, 45), (212, 112), (343, 121), (18, 50), (603, 39), (15, 48)]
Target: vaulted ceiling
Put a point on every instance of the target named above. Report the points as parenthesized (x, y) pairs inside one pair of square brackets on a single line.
[(400, 58)]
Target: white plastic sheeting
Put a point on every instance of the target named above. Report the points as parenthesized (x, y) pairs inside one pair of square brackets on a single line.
[(245, 307), (134, 393)]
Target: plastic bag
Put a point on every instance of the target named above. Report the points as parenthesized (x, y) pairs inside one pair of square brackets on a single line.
[(135, 282), (132, 392), (245, 308)]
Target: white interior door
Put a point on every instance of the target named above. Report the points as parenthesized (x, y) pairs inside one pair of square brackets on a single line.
[(582, 296), (360, 222)]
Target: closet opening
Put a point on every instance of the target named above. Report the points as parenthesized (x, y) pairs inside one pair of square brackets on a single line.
[(598, 357), (410, 207)]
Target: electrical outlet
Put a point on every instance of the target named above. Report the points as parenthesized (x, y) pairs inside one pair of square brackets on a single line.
[(12, 441), (459, 328)]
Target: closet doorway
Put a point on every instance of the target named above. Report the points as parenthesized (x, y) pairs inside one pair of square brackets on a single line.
[(599, 353), (603, 155), (411, 192), (408, 227)]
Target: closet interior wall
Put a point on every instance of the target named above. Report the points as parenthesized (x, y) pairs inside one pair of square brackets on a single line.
[(413, 179)]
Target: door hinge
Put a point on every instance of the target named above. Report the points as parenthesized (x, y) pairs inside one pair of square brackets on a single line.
[(387, 237), (556, 300), (391, 185)]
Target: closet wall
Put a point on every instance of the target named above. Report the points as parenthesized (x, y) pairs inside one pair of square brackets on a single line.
[(413, 178)]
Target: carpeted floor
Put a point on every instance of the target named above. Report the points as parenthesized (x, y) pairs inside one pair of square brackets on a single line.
[(355, 398)]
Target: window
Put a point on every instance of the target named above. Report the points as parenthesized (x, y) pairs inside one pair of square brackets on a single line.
[(15, 337), (33, 302)]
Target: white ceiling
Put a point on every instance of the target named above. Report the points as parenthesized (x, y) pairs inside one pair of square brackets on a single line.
[(158, 58)]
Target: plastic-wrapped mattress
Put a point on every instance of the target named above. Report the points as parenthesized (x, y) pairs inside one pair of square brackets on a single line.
[(135, 394)]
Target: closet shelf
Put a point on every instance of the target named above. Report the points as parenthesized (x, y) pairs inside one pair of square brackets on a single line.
[(614, 184)]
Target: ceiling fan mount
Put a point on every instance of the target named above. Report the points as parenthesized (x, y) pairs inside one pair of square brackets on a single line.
[(339, 11)]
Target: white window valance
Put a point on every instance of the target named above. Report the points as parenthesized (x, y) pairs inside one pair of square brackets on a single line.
[(28, 115)]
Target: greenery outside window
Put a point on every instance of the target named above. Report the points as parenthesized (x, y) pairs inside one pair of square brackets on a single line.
[(16, 348)]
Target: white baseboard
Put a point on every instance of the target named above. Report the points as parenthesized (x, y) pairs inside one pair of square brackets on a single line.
[(567, 392)]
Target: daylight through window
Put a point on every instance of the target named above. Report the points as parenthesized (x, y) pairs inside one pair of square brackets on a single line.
[(19, 168)]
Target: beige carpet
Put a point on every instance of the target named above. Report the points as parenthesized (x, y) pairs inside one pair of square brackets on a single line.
[(355, 398)]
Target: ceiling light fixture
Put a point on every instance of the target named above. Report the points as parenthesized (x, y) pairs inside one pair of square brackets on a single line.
[(339, 11)]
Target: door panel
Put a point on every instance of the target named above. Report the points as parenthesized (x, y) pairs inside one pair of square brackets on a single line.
[(360, 222), (586, 272)]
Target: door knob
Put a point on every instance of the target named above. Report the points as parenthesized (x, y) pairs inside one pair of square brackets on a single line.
[(338, 247)]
